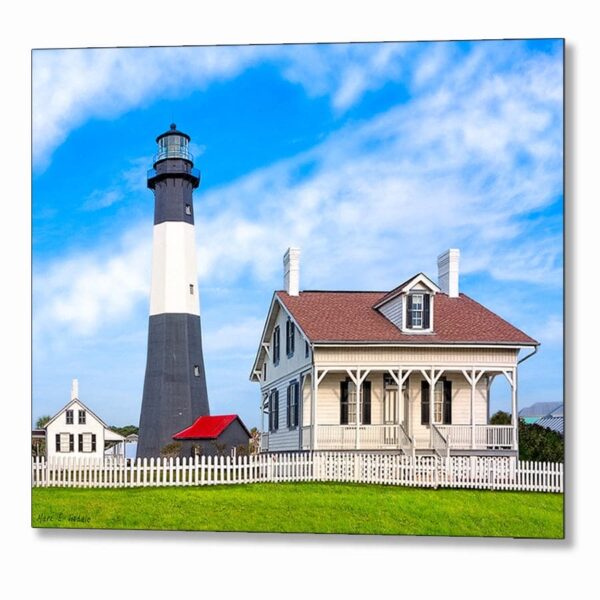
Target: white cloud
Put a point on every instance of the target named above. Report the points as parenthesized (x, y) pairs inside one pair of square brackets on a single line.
[(464, 165)]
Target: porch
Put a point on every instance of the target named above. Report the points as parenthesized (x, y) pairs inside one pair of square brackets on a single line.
[(428, 409)]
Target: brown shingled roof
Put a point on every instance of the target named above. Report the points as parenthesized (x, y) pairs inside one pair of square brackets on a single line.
[(350, 317)]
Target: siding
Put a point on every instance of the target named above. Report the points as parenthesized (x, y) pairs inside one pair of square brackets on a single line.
[(356, 356), (286, 365), (392, 310)]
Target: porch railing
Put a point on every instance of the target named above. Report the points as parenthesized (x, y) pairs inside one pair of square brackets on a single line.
[(368, 437), (486, 436), (439, 442)]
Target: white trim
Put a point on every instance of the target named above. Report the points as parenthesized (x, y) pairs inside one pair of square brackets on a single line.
[(326, 344)]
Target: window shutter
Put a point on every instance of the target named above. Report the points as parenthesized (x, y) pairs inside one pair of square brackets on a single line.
[(292, 338), (289, 405), (57, 438), (426, 311), (80, 442), (276, 419), (297, 404), (366, 403), (409, 311), (71, 442), (93, 442), (424, 403), (287, 337), (343, 402), (447, 402)]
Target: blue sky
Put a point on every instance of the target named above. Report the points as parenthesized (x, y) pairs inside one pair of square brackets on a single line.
[(373, 158)]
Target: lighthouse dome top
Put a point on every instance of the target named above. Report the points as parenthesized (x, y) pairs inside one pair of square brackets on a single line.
[(173, 144)]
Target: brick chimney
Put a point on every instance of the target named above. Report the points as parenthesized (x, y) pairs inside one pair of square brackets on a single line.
[(448, 264), (291, 271)]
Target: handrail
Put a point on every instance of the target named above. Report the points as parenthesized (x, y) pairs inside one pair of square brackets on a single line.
[(439, 443), (406, 443)]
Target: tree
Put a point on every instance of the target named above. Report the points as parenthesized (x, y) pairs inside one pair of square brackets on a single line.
[(171, 450), (500, 418), (535, 442), (125, 430), (254, 441), (42, 421), (540, 443)]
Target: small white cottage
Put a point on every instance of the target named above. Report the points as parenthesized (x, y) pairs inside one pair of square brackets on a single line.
[(76, 431)]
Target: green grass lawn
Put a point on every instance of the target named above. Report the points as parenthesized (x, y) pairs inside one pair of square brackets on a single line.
[(304, 507)]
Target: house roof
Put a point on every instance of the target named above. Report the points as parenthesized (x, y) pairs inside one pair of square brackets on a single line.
[(554, 423), (208, 427), (347, 317), (540, 409), (420, 277)]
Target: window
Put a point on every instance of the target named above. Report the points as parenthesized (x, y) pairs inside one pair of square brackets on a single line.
[(417, 311), (442, 403), (290, 330), (293, 393), (274, 411), (188, 209), (87, 442), (348, 403), (264, 374), (276, 346), (65, 442), (196, 370), (192, 289), (81, 417), (306, 349), (69, 417)]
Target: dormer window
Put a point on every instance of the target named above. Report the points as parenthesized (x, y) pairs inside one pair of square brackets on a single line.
[(417, 310)]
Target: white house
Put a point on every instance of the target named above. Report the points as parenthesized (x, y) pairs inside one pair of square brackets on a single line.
[(76, 431), (408, 370)]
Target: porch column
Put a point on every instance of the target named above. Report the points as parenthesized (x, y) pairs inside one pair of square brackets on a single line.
[(358, 406), (314, 384), (431, 398), (473, 407), (515, 416)]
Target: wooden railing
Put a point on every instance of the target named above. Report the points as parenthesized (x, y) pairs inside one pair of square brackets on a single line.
[(439, 442), (368, 437), (486, 436)]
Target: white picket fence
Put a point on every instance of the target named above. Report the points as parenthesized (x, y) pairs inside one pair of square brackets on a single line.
[(494, 473)]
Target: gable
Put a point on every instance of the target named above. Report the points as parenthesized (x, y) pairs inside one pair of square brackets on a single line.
[(75, 405)]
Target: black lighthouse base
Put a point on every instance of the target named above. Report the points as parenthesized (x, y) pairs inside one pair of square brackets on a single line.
[(175, 384)]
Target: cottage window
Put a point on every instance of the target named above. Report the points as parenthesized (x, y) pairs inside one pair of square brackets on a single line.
[(85, 442), (81, 417), (442, 403), (276, 345), (65, 442), (293, 393), (348, 403), (69, 417), (274, 411), (417, 311), (290, 331)]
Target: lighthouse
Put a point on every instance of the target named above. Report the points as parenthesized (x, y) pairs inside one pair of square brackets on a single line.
[(175, 385)]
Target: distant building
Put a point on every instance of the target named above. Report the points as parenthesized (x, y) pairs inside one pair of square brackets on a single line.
[(77, 431), (214, 435), (533, 413), (554, 420)]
